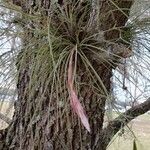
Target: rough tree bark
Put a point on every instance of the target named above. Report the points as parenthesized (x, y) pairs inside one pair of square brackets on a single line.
[(35, 125)]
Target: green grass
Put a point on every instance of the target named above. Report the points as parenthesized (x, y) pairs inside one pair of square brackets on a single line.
[(138, 129)]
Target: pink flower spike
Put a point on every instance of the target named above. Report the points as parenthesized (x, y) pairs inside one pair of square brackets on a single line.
[(78, 109), (75, 103)]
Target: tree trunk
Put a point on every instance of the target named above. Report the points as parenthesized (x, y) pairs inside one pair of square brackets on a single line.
[(40, 121)]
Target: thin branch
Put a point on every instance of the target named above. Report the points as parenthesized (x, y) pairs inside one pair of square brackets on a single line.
[(123, 119)]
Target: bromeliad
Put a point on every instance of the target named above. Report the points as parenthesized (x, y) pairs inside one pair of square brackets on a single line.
[(74, 101)]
